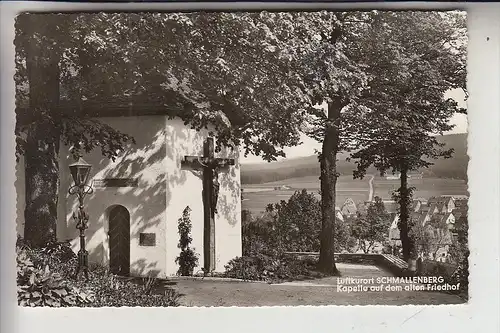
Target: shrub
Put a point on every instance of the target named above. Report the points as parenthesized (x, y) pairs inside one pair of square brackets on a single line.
[(44, 279), (371, 228), (113, 291), (293, 225), (187, 259), (298, 223), (258, 236), (42, 287), (267, 268)]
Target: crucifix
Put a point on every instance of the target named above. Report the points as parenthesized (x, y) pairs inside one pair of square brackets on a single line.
[(210, 166)]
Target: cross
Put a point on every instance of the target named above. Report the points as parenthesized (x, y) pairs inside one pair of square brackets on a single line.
[(210, 165)]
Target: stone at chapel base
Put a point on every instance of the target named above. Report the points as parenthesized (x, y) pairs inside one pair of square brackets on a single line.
[(153, 187)]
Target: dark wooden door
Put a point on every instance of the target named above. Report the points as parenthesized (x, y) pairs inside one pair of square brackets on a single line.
[(119, 240)]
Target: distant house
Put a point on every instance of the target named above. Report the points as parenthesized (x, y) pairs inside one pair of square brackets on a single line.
[(458, 213), (394, 235), (410, 176), (440, 217), (449, 219), (445, 204), (391, 206), (349, 207), (416, 176), (461, 204), (338, 214), (416, 205), (432, 209), (282, 188)]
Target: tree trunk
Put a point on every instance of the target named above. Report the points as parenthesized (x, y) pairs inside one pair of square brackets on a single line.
[(365, 249), (370, 247), (42, 189), (404, 215), (328, 164), (43, 136)]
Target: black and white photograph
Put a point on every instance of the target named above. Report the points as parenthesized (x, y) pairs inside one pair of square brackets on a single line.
[(241, 158)]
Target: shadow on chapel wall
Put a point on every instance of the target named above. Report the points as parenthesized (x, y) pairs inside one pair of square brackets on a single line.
[(146, 203), (155, 162)]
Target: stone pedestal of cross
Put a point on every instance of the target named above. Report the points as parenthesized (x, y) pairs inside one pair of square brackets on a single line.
[(210, 166)]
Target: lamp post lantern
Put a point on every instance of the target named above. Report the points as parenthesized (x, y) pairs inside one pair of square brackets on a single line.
[(80, 171)]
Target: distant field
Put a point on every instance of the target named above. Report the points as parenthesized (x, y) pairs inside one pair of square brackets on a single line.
[(312, 182), (425, 188), (258, 196)]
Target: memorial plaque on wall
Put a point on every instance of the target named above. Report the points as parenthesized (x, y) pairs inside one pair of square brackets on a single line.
[(116, 182), (147, 239)]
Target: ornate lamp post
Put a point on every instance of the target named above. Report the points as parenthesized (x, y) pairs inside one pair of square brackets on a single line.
[(80, 171)]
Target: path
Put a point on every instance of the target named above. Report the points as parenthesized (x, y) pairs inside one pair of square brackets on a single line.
[(311, 292), (370, 183)]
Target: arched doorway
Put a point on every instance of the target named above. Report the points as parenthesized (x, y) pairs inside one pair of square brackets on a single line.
[(119, 240)]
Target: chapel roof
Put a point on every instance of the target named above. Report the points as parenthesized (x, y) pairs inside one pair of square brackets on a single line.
[(120, 108), (114, 108)]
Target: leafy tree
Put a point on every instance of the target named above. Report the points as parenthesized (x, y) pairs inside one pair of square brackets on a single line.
[(292, 225), (361, 66), (420, 57), (42, 124), (325, 49), (211, 69), (297, 223), (355, 63), (371, 227)]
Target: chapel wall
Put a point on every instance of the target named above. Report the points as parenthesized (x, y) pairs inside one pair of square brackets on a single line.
[(228, 218), (145, 162), (164, 189), (184, 188)]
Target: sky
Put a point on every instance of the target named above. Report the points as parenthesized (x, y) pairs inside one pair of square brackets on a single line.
[(309, 145)]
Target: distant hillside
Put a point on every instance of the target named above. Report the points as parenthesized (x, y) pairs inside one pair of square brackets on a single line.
[(455, 167)]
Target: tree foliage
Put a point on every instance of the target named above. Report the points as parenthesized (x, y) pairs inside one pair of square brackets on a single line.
[(211, 69), (252, 78), (371, 227), (289, 226), (415, 66)]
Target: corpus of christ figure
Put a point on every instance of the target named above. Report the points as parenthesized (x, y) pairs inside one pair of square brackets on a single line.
[(210, 166)]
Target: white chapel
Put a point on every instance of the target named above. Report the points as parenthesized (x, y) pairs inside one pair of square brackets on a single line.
[(138, 198)]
